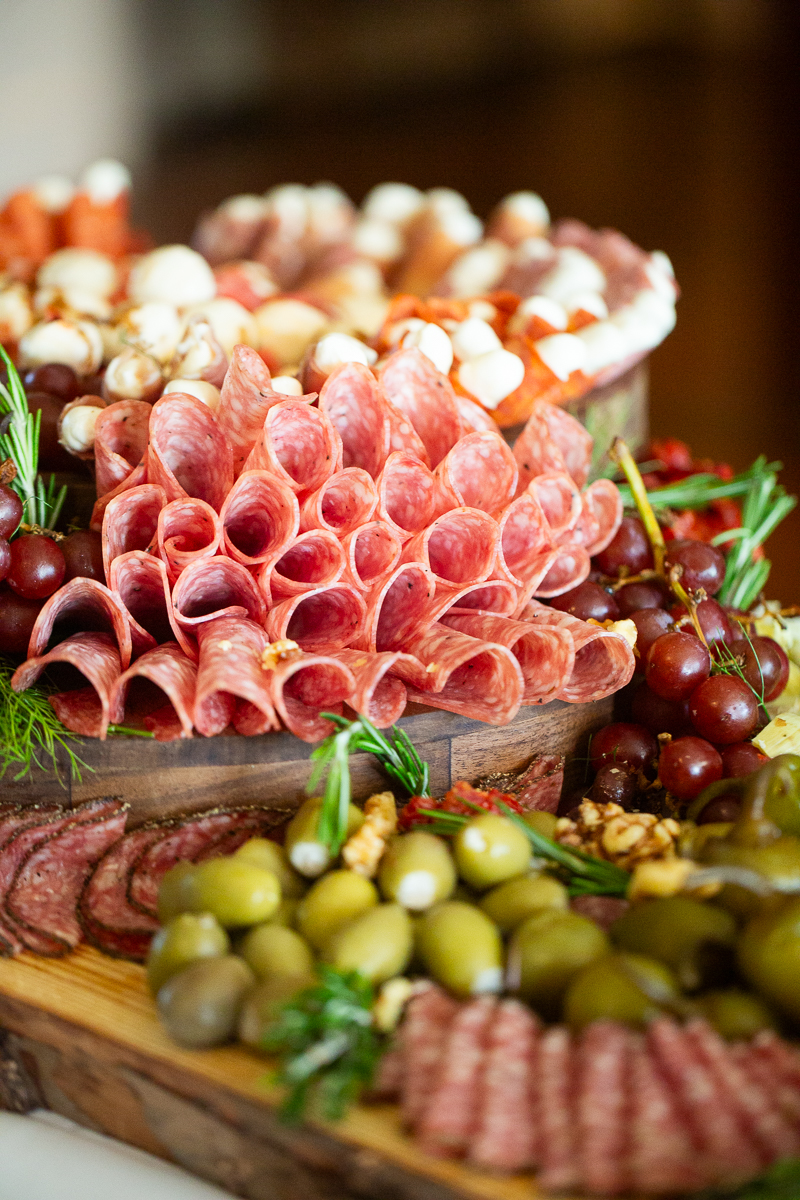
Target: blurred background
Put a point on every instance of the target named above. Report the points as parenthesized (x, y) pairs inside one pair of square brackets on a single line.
[(675, 121)]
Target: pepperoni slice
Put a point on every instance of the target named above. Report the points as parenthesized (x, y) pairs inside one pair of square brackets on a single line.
[(188, 455), (479, 472), (303, 687), (260, 517), (87, 710), (397, 609), (230, 662), (246, 398), (478, 679), (371, 554), (130, 521), (216, 587), (407, 498), (82, 604), (175, 675), (298, 444), (140, 582), (121, 434), (187, 530), (604, 661), (352, 399), (459, 547), (546, 654), (524, 535), (312, 560), (320, 621), (380, 693), (344, 502), (425, 397)]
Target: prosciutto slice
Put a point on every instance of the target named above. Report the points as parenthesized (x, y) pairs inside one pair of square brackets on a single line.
[(406, 494), (604, 661), (216, 587), (82, 604), (344, 502), (187, 530), (475, 678), (352, 399), (479, 472), (546, 654), (303, 687), (120, 440), (130, 521), (246, 398), (259, 518), (230, 662), (425, 397), (86, 710), (298, 444), (188, 454), (320, 621), (459, 547), (314, 559), (371, 554), (169, 669), (140, 583)]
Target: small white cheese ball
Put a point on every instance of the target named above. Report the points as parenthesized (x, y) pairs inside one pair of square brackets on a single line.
[(287, 385), (104, 180), (133, 375), (605, 344), (79, 270), (590, 302), (206, 392), (538, 306), (563, 353), (231, 322), (395, 203), (287, 205), (528, 208), (337, 348), (285, 328), (77, 428), (378, 240), (77, 344), (574, 272), (492, 377), (432, 341), (247, 208), (70, 302), (16, 314), (472, 338), (54, 192), (479, 269), (154, 327), (174, 274)]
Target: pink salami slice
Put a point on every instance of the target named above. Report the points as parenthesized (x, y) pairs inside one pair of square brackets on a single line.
[(43, 896), (379, 693), (569, 567), (555, 1118), (353, 401), (13, 822), (478, 679), (298, 444), (506, 1136), (473, 418), (586, 530), (425, 397), (604, 661), (120, 439), (230, 661), (109, 922), (560, 501), (759, 1070), (302, 688), (216, 587), (187, 530), (81, 605), (312, 560), (397, 609), (403, 436), (406, 495), (344, 502), (130, 522), (524, 535), (140, 583), (662, 1158), (603, 501), (96, 656), (460, 547), (479, 472), (429, 1016), (137, 477), (188, 454), (320, 621), (371, 553), (601, 1102), (451, 1117), (494, 596), (552, 440), (260, 518), (247, 396), (168, 669), (546, 655)]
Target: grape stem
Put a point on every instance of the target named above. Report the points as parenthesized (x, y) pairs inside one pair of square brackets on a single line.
[(688, 603), (621, 455)]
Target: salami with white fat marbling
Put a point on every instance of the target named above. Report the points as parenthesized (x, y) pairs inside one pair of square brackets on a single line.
[(188, 454), (210, 588), (320, 621), (604, 661), (406, 494), (353, 400), (298, 444), (345, 501), (546, 654), (479, 472), (230, 662), (311, 560), (246, 397), (425, 397), (304, 686), (478, 679), (187, 529), (87, 710), (175, 675), (259, 518), (371, 553), (459, 547), (121, 434)]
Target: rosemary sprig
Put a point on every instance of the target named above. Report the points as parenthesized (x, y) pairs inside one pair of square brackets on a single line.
[(763, 510), (697, 491), (31, 733), (20, 442)]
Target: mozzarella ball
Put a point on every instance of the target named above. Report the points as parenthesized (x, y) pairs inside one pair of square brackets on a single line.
[(77, 428), (154, 328), (198, 388), (133, 375), (174, 274), (492, 377), (285, 328), (16, 314), (231, 322), (77, 344), (81, 270)]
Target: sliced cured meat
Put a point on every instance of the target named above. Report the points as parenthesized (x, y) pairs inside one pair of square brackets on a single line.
[(604, 661), (371, 553), (188, 454), (187, 530), (321, 621), (230, 662), (479, 472), (140, 582), (546, 654), (14, 820), (86, 710), (477, 679), (81, 605), (109, 922), (662, 1157), (130, 521), (601, 1117), (451, 1116), (552, 440), (603, 501), (524, 536), (474, 418), (343, 503), (570, 565), (216, 587), (402, 434), (175, 675), (260, 517), (298, 444), (494, 595), (603, 910), (352, 399), (559, 499), (460, 547), (396, 609), (43, 895), (559, 1159), (137, 476), (120, 439), (406, 494), (379, 693), (246, 398), (312, 560), (429, 1015), (425, 397), (303, 687), (761, 1071), (505, 1138)]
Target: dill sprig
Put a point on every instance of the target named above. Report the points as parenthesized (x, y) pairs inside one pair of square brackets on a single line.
[(327, 1044), (19, 442), (31, 733)]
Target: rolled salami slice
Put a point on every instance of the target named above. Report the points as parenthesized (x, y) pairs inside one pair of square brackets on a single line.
[(478, 679), (343, 503), (95, 655), (425, 396), (188, 454), (506, 1137), (246, 398), (603, 501), (460, 547), (130, 521), (662, 1157), (121, 434), (560, 501), (169, 670), (554, 1111), (406, 495), (604, 661), (397, 609), (140, 583), (298, 444), (473, 418), (320, 621), (230, 662), (81, 605), (570, 566), (303, 687), (451, 1117), (379, 694), (353, 401), (371, 554), (494, 596), (429, 1017), (137, 476), (313, 559), (601, 1107), (524, 534), (187, 530), (479, 472), (260, 518), (403, 437), (552, 440), (210, 588), (108, 920), (546, 654)]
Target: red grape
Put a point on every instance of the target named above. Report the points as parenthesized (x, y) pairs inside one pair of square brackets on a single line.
[(741, 758), (635, 596), (628, 548), (56, 378), (722, 808), (37, 566), (10, 511), (714, 622), (659, 715), (676, 664), (624, 744), (17, 618), (650, 624), (587, 600), (724, 710), (763, 663), (687, 765), (52, 455), (5, 558), (83, 553), (613, 785), (703, 565)]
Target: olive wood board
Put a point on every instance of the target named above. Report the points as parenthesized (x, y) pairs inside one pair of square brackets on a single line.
[(80, 1036)]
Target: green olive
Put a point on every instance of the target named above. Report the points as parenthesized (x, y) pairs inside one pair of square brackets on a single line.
[(262, 1006), (200, 1006), (545, 953), (275, 950), (378, 944), (285, 913), (694, 939), (778, 861), (417, 870), (188, 936), (542, 822), (490, 849), (513, 901), (235, 891), (306, 853), (461, 948), (335, 899), (769, 956), (171, 897), (620, 987), (736, 1015), (261, 852)]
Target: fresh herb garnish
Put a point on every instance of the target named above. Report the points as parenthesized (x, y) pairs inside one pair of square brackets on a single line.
[(19, 442), (31, 733)]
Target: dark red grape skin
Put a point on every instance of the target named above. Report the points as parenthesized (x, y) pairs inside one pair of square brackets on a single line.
[(763, 663), (676, 663), (703, 565), (741, 758), (83, 554), (650, 624), (52, 455), (17, 619), (624, 744), (721, 808), (724, 710), (614, 785), (712, 618), (628, 548), (5, 558), (635, 596), (659, 715), (10, 511), (687, 765), (588, 601), (37, 566), (56, 378)]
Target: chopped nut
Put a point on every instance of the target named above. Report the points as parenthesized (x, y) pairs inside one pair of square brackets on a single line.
[(624, 838), (392, 999), (277, 652), (363, 851), (660, 877)]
